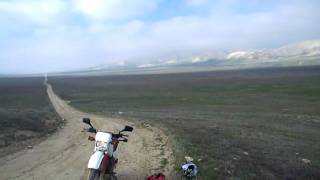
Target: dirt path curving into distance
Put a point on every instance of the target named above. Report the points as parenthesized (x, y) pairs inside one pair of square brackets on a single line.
[(64, 155)]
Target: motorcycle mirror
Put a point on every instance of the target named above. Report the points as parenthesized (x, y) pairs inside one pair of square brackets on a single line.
[(87, 121), (128, 128)]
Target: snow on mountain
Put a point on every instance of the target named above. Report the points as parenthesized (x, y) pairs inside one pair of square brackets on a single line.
[(170, 62), (198, 59), (241, 55), (302, 49), (306, 52), (305, 48), (146, 65)]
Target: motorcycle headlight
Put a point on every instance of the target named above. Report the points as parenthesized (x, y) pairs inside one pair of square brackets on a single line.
[(101, 144)]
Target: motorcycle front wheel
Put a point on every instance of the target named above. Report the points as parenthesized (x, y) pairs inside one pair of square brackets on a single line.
[(94, 174)]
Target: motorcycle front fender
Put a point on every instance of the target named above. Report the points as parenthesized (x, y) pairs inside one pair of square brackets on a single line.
[(95, 160)]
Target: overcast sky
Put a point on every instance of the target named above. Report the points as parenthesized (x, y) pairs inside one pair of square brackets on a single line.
[(56, 35)]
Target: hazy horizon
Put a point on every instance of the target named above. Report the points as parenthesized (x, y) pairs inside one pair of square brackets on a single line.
[(56, 35)]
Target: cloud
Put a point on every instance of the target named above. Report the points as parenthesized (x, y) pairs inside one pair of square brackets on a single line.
[(43, 12), (115, 9), (51, 51), (226, 31), (73, 34), (196, 2), (39, 12)]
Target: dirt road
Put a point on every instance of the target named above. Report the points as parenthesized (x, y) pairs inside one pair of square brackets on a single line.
[(64, 155)]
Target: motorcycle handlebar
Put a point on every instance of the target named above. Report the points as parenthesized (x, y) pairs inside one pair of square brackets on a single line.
[(119, 135), (90, 138), (124, 140), (116, 135), (90, 130)]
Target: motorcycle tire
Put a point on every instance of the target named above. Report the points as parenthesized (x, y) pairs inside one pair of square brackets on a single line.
[(94, 174)]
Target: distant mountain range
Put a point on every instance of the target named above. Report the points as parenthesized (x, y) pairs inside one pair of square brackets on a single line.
[(305, 49), (302, 53)]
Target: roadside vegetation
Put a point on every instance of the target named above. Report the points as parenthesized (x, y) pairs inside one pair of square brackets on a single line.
[(247, 124), (26, 114)]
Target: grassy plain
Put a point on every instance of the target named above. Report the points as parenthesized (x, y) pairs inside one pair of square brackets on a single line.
[(26, 113), (241, 124)]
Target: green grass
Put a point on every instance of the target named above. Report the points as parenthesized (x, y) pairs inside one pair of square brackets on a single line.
[(25, 110), (218, 117), (164, 162)]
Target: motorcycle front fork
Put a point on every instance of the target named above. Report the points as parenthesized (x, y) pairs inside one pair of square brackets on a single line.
[(107, 165)]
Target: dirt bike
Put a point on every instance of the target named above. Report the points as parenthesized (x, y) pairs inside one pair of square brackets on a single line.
[(102, 162)]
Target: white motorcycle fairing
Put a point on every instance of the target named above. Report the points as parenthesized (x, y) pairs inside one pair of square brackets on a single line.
[(95, 160)]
